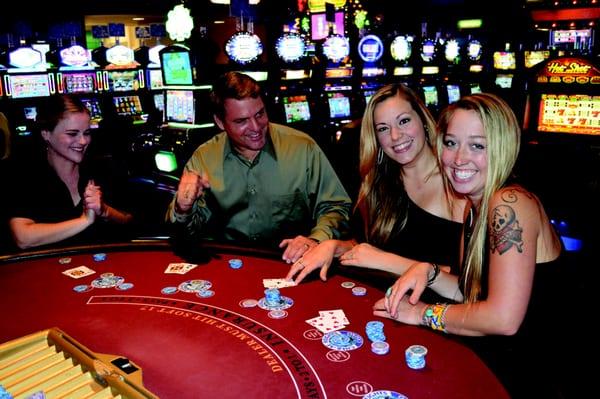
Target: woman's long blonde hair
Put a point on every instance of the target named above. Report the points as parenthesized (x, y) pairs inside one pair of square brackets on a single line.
[(382, 199), (503, 138)]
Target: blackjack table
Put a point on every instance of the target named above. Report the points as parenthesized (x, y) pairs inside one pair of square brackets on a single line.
[(192, 343)]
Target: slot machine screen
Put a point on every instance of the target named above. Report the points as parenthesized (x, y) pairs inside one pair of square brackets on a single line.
[(30, 113), (93, 105), (79, 82), (532, 58), (159, 102), (26, 86), (177, 68), (569, 113), (505, 60), (179, 106), (296, 109), (431, 96), (368, 94), (339, 105), (128, 105), (453, 93), (123, 81), (475, 88), (504, 81), (155, 79)]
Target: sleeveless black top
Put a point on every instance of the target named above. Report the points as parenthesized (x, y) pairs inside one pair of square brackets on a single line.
[(525, 362)]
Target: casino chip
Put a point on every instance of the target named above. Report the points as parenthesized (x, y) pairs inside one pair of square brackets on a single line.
[(248, 303), (283, 303), (99, 257), (359, 291), (107, 282), (235, 263), (380, 347), (342, 340), (64, 261), (278, 314), (348, 284), (169, 290), (82, 288), (384, 395), (205, 293), (192, 286), (124, 286)]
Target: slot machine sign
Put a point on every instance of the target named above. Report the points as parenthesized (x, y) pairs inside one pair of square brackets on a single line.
[(243, 48)]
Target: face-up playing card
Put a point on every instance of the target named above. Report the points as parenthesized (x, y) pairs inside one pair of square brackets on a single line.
[(179, 268), (278, 283), (336, 314), (78, 272), (325, 324)]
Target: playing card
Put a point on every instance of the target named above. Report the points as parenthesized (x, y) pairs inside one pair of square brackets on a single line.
[(78, 272), (325, 324), (336, 314), (278, 283), (179, 268)]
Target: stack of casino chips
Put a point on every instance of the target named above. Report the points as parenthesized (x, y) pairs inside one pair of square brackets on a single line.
[(415, 356), (374, 330), (272, 297)]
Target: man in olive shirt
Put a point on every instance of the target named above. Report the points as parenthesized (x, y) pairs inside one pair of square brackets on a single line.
[(258, 182)]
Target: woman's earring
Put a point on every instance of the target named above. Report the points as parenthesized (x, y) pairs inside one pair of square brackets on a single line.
[(379, 156)]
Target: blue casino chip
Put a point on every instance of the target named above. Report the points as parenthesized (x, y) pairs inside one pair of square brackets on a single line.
[(124, 286), (205, 293), (169, 290), (235, 263), (82, 288), (342, 340), (384, 395), (99, 257), (283, 303)]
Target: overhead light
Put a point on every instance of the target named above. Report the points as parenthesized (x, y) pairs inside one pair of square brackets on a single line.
[(219, 22), (138, 18)]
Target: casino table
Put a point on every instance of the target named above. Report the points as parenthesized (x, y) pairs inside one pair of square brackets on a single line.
[(207, 347)]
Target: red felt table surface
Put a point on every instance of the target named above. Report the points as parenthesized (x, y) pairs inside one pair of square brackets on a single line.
[(191, 347)]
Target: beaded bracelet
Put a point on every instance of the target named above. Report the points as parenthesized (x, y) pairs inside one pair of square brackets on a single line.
[(436, 273), (435, 316)]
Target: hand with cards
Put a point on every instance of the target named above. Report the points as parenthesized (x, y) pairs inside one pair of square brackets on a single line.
[(278, 283), (329, 320), (179, 268), (78, 272)]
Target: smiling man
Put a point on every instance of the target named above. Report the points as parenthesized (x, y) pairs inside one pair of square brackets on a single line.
[(258, 182)]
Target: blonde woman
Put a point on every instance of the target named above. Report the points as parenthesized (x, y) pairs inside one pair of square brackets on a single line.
[(407, 213), (510, 260)]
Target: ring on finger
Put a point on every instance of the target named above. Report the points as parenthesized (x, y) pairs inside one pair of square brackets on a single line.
[(306, 246), (300, 263), (388, 292)]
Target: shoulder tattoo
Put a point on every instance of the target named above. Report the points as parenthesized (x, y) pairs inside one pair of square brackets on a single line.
[(505, 231)]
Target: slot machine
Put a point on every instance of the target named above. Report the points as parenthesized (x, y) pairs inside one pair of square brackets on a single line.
[(77, 75), (474, 67), (244, 50), (402, 64), (452, 85), (562, 137), (373, 72), (293, 99), (429, 81), (26, 81)]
